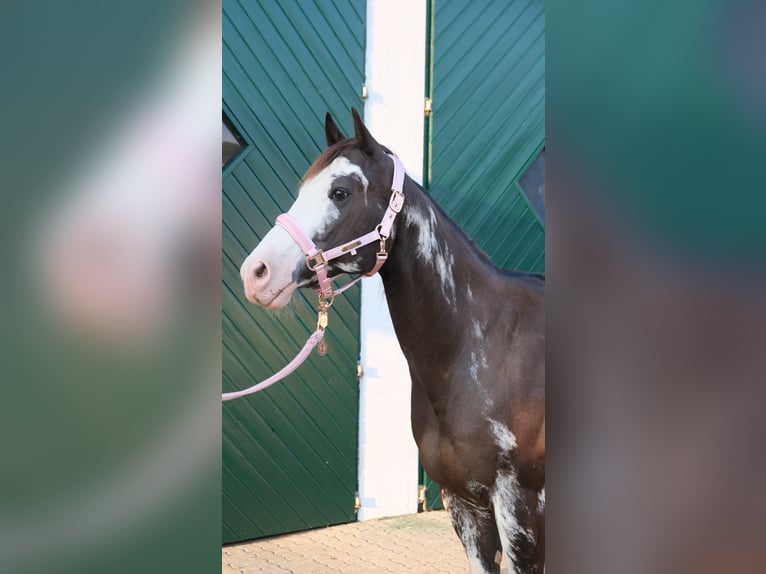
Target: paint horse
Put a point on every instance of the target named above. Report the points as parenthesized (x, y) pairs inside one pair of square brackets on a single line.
[(473, 336)]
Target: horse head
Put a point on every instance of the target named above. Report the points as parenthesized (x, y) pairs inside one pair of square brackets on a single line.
[(344, 195)]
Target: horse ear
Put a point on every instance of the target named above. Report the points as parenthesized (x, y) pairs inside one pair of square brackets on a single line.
[(368, 143), (331, 131)]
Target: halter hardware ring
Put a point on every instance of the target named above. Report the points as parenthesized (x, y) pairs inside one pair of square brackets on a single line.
[(315, 260)]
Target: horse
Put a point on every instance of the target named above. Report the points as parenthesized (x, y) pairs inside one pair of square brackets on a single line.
[(473, 336)]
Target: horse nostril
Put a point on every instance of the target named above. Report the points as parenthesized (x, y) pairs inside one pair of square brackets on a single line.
[(261, 271)]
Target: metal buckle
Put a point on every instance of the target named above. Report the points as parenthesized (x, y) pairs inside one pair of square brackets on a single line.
[(396, 201), (316, 260)]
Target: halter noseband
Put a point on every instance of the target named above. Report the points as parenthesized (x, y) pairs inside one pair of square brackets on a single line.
[(317, 259)]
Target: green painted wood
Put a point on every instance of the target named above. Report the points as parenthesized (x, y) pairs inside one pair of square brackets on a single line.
[(289, 452), (487, 83)]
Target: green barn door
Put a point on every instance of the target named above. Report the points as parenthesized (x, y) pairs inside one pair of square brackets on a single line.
[(485, 139), (289, 452)]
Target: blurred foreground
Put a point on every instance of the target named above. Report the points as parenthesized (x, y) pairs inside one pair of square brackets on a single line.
[(656, 258), (110, 363)]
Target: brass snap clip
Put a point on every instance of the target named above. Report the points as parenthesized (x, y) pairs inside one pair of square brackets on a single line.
[(322, 307), (322, 319)]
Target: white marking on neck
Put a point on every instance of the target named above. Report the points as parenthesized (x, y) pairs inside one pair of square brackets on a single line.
[(541, 501), (474, 367), (427, 245), (431, 252), (444, 264), (478, 363)]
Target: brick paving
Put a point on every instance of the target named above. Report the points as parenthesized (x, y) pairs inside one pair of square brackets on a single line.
[(416, 544)]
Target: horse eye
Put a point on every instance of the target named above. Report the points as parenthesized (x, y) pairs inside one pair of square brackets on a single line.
[(339, 194)]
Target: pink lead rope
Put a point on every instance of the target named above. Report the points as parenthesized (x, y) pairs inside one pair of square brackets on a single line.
[(316, 261)]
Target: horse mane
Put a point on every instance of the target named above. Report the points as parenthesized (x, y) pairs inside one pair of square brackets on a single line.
[(471, 244)]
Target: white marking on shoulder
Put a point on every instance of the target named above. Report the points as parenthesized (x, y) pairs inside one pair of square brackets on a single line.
[(504, 438), (468, 294), (474, 367), (313, 209), (541, 501)]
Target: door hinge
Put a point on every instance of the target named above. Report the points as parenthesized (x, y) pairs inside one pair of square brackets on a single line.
[(364, 91), (428, 107), (422, 496), (359, 370), (357, 502)]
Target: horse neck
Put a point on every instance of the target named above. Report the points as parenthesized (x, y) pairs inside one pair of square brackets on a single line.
[(433, 274)]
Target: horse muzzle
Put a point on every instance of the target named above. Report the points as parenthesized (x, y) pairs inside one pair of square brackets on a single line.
[(267, 278)]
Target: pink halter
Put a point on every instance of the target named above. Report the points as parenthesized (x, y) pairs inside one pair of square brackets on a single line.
[(317, 259)]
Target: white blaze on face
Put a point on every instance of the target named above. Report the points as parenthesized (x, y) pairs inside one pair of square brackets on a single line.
[(315, 212)]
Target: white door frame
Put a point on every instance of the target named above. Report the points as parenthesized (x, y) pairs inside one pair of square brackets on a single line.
[(395, 79)]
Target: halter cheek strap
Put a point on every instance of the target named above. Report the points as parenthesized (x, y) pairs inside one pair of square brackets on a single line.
[(317, 259)]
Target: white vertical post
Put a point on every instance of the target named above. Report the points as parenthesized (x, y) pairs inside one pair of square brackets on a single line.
[(393, 112)]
